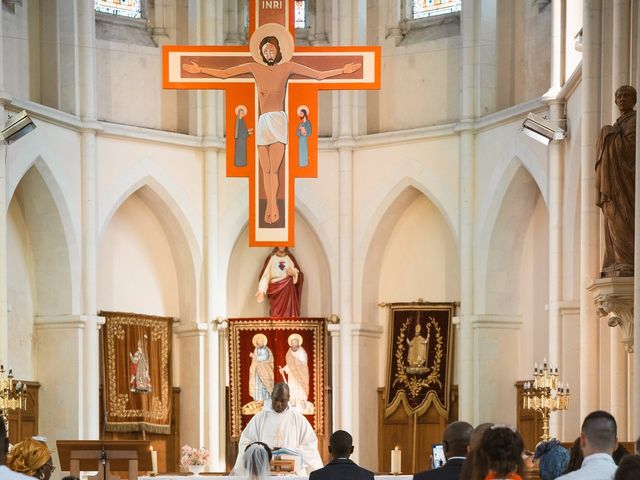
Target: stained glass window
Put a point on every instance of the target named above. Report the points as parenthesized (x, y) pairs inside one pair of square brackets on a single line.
[(125, 8), (300, 14), (431, 8)]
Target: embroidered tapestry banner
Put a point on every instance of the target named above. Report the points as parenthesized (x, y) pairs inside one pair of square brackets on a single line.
[(263, 352), (137, 372), (420, 350)]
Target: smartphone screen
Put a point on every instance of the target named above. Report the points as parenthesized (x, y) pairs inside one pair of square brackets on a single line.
[(437, 455)]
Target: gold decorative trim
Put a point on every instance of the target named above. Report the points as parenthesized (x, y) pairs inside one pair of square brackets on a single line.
[(415, 386), (117, 403), (315, 325)]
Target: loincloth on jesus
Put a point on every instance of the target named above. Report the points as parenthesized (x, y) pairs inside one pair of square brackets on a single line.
[(272, 128)]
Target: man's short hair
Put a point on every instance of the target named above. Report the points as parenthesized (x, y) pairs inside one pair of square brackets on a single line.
[(457, 436), (638, 446), (600, 430), (341, 443), (273, 41)]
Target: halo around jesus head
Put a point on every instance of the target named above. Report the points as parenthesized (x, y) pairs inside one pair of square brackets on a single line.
[(271, 30), (259, 336), (302, 107), (295, 336), (241, 107)]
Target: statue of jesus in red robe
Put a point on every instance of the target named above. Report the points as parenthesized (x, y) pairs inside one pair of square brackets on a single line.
[(281, 281)]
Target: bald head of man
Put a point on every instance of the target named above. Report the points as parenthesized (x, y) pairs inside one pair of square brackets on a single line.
[(455, 440)]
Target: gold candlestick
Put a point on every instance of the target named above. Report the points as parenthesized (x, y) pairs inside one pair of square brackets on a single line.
[(545, 394), (13, 395)]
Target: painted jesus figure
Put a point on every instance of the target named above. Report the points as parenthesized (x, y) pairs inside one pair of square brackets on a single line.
[(272, 131)]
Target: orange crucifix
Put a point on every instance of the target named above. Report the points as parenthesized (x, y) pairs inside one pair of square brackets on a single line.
[(287, 80)]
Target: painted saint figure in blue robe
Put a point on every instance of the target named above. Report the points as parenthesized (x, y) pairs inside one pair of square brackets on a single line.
[(303, 131), (241, 135)]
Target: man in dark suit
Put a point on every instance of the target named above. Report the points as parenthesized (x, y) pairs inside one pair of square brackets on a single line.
[(454, 442), (340, 467)]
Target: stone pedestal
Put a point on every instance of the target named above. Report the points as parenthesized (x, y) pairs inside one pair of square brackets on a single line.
[(613, 298)]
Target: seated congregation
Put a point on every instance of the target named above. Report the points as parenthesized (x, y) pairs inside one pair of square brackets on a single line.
[(487, 452)]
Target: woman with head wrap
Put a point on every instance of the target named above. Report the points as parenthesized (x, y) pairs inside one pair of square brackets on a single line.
[(32, 458), (553, 459)]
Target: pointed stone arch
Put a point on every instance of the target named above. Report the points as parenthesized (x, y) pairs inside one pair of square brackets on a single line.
[(53, 240), (500, 241), (175, 224), (388, 213)]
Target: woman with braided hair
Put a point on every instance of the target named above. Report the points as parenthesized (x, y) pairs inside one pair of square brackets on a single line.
[(499, 456), (32, 458)]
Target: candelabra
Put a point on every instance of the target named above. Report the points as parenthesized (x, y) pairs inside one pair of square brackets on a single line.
[(545, 395), (13, 396)]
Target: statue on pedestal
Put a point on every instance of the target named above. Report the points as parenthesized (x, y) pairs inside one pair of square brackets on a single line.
[(615, 184), (281, 282)]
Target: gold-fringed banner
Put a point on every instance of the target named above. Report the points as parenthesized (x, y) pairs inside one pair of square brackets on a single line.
[(265, 351), (137, 372), (420, 350)]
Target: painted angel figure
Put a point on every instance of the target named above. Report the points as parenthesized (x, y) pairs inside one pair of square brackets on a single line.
[(140, 381)]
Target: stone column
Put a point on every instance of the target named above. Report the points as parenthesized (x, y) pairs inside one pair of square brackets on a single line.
[(556, 184), (192, 361), (345, 222), (345, 192), (394, 22), (212, 108), (88, 110), (620, 76), (468, 404), (589, 388), (234, 21), (635, 363), (4, 326), (4, 323), (320, 37)]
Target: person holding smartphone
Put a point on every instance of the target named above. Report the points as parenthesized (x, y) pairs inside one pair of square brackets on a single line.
[(455, 441)]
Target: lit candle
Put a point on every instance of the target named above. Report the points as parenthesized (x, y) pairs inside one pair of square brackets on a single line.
[(396, 460), (154, 461)]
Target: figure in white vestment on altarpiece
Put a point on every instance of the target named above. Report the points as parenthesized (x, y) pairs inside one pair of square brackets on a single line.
[(296, 374)]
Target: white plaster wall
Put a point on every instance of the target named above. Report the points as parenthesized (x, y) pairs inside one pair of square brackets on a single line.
[(573, 25), (532, 51), (534, 290), (125, 164), (136, 271), (571, 200), (51, 248), (420, 82), (419, 260), (21, 294), (16, 51), (133, 95), (59, 356), (498, 355), (570, 368)]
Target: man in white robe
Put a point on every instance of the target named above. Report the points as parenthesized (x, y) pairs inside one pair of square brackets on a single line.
[(282, 427)]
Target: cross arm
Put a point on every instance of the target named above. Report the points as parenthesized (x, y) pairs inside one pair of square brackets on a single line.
[(299, 69), (234, 71)]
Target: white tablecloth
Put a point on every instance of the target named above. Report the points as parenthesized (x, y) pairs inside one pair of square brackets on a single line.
[(282, 477)]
